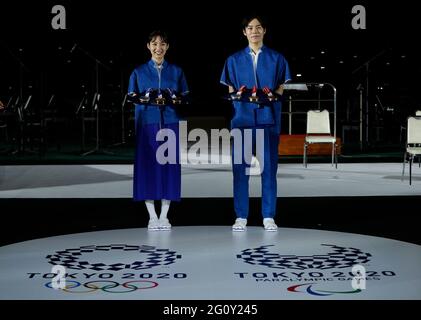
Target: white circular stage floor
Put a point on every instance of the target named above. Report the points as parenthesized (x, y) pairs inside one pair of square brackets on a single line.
[(209, 263)]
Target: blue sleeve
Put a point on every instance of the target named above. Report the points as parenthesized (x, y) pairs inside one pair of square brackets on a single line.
[(284, 75), (182, 85), (133, 87), (227, 74)]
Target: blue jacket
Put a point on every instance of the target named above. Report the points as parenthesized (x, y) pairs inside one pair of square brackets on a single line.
[(147, 76), (272, 70)]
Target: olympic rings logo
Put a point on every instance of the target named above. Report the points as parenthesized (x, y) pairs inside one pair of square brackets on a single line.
[(106, 286)]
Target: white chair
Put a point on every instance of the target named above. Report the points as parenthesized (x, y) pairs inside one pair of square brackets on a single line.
[(318, 131), (413, 144), (418, 114), (403, 128)]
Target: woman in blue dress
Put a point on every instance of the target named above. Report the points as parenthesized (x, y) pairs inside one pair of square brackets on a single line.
[(153, 180)]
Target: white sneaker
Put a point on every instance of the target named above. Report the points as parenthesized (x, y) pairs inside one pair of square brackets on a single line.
[(153, 224), (164, 224), (240, 225), (269, 224)]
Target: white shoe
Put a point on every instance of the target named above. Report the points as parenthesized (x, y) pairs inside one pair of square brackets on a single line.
[(153, 224), (240, 225), (269, 224), (164, 224)]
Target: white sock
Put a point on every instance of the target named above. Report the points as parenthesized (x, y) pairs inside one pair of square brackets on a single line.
[(151, 209), (165, 206), (254, 161)]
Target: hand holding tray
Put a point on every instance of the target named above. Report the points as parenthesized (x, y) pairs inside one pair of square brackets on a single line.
[(158, 97), (254, 95)]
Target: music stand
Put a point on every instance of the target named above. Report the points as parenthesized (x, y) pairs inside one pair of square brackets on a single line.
[(123, 126), (18, 103), (95, 102), (366, 67), (9, 102), (81, 108), (20, 109), (4, 125)]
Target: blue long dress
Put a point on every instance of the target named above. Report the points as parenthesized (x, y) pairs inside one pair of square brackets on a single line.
[(152, 180)]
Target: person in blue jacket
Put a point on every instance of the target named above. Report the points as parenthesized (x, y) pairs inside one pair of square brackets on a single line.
[(263, 68), (153, 180)]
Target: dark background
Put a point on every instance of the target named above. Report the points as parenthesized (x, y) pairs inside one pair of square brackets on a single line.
[(202, 34), (39, 61)]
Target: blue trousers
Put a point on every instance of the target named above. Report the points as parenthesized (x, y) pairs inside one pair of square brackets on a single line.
[(241, 178)]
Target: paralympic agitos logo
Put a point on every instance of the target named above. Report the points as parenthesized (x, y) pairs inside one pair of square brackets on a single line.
[(309, 288)]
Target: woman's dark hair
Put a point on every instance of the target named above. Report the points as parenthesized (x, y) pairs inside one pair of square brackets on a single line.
[(250, 18), (158, 33)]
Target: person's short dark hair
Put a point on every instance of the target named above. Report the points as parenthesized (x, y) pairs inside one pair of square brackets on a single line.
[(247, 19), (158, 33)]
